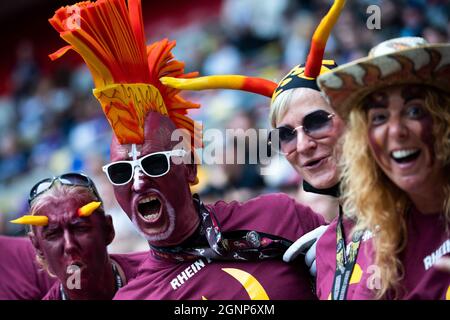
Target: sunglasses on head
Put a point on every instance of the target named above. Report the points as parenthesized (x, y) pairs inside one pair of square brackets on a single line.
[(69, 179), (316, 125), (153, 165)]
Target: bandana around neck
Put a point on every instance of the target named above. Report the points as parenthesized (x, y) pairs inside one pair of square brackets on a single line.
[(211, 243)]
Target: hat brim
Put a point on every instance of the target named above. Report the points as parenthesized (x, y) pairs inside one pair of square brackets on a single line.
[(347, 85)]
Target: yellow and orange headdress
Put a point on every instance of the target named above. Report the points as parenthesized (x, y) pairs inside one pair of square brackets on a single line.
[(300, 76), (109, 36)]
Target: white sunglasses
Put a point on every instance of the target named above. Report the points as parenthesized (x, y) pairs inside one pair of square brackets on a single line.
[(153, 165)]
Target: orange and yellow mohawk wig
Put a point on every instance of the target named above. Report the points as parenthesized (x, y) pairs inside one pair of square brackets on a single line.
[(109, 36), (299, 77)]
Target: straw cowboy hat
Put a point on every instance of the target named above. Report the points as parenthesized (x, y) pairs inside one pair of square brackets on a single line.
[(407, 60)]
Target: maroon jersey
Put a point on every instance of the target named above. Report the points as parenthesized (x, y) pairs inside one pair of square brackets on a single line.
[(20, 276), (129, 263), (428, 240), (275, 214)]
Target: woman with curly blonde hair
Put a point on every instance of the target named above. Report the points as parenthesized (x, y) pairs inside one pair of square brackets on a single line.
[(395, 174)]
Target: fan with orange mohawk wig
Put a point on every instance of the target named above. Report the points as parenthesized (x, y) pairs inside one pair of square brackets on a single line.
[(109, 36)]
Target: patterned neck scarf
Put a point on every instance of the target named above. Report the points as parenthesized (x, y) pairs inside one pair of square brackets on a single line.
[(211, 243)]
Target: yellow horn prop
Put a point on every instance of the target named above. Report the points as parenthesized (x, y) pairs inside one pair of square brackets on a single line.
[(87, 210), (207, 82), (32, 220)]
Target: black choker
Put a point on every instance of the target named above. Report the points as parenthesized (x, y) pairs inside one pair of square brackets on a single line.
[(333, 191)]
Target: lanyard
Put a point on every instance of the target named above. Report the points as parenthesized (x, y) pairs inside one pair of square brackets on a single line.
[(345, 262), (211, 243)]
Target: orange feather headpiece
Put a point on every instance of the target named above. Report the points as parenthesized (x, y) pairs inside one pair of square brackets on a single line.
[(109, 36)]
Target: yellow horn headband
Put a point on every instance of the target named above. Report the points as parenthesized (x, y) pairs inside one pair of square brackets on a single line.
[(32, 220), (41, 221), (88, 209)]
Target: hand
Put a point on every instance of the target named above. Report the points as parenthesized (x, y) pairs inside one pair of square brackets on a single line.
[(306, 245), (442, 264)]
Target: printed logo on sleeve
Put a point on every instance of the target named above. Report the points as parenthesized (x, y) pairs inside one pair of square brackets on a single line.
[(431, 259)]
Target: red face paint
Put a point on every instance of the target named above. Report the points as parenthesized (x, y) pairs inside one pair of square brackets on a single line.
[(427, 136), (377, 147), (162, 208), (378, 99), (69, 240)]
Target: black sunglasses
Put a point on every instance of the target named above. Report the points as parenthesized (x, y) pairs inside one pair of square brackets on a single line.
[(316, 125), (70, 179)]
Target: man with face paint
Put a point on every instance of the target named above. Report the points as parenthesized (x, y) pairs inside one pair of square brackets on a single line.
[(219, 251), (70, 233), (21, 278)]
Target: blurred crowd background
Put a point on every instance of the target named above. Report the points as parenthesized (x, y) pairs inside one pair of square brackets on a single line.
[(50, 123)]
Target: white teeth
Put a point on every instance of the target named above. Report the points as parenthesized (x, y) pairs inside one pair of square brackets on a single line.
[(147, 199), (400, 154), (150, 216)]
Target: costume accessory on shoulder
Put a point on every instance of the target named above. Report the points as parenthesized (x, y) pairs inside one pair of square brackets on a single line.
[(110, 38), (211, 242), (407, 60), (301, 76), (333, 191)]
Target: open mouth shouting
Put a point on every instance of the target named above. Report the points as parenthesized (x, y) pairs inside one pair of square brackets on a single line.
[(149, 208), (152, 215)]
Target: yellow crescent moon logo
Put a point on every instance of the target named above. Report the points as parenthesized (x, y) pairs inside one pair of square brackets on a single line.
[(254, 289), (356, 274)]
